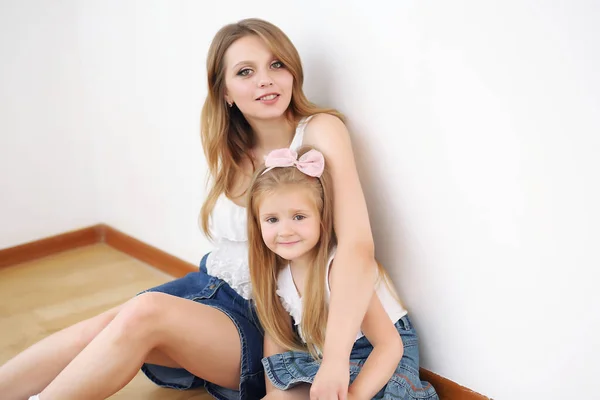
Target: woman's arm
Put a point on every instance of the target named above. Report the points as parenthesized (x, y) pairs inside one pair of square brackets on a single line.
[(386, 354), (352, 274)]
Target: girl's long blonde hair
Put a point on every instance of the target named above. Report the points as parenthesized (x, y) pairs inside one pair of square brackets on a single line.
[(227, 137), (265, 265)]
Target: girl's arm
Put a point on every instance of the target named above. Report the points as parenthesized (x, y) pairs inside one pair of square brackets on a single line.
[(352, 274), (270, 348), (386, 354), (299, 392)]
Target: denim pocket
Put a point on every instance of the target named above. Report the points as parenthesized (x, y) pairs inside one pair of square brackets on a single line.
[(209, 290), (407, 332)]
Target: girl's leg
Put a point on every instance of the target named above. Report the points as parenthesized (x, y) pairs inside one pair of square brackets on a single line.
[(32, 370), (160, 329)]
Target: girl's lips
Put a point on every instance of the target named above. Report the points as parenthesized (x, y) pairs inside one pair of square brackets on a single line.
[(288, 243)]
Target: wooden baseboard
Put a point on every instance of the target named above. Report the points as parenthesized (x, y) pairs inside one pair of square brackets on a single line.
[(50, 245), (100, 233), (146, 253), (447, 390)]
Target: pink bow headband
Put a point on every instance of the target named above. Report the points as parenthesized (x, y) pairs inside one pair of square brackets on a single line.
[(310, 163)]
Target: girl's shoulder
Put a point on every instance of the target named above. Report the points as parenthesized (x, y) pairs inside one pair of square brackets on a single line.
[(328, 269), (331, 256), (286, 290)]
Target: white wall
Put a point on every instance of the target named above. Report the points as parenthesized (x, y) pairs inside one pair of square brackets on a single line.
[(47, 179), (144, 88), (475, 128)]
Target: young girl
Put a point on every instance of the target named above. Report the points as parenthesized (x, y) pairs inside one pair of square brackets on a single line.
[(292, 247)]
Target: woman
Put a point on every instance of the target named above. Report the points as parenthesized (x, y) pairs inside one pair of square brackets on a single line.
[(201, 329)]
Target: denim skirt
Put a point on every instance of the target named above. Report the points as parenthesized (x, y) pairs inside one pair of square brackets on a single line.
[(214, 292), (293, 367)]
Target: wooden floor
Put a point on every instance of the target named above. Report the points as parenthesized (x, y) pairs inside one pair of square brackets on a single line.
[(43, 296)]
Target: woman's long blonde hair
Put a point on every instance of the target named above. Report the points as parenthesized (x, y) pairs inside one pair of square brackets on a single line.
[(265, 265), (226, 135)]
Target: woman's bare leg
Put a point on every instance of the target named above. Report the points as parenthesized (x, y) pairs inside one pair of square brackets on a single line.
[(32, 370), (157, 328)]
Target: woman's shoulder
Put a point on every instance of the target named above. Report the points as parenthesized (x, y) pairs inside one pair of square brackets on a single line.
[(324, 131), (322, 120)]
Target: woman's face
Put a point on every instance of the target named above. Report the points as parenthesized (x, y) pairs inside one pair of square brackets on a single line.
[(258, 83)]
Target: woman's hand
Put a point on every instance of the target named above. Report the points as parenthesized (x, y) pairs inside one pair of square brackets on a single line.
[(352, 396), (331, 381)]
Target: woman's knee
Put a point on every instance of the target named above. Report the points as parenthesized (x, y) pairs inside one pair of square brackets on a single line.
[(141, 316)]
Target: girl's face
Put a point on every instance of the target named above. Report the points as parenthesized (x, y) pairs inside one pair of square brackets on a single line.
[(258, 83), (290, 222)]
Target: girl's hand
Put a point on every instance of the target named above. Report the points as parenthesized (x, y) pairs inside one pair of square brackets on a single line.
[(331, 381)]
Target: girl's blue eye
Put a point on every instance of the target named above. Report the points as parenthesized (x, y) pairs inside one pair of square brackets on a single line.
[(271, 220), (299, 217), (277, 65)]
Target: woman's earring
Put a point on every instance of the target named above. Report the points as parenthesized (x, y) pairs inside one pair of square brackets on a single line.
[(230, 104)]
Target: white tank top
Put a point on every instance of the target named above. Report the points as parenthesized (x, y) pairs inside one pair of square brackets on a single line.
[(292, 302), (228, 227)]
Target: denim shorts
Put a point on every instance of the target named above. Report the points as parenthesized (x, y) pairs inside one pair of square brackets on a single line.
[(293, 367), (214, 292)]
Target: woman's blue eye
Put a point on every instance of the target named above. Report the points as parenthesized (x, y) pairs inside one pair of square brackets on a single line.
[(244, 72), (277, 65)]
